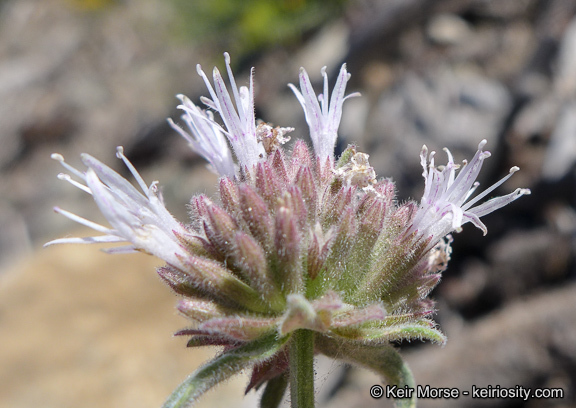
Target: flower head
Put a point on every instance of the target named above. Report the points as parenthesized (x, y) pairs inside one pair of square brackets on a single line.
[(238, 116), (295, 243), (138, 218), (205, 137), (446, 203), (323, 118)]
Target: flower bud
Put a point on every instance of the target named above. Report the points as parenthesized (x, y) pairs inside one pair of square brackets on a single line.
[(229, 195), (220, 229), (256, 215), (287, 248)]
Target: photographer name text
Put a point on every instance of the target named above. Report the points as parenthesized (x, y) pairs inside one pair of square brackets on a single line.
[(496, 392)]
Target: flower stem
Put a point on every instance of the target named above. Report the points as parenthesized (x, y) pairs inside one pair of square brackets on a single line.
[(302, 369)]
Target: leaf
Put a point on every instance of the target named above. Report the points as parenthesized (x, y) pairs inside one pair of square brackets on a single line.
[(241, 328), (418, 330), (223, 367), (382, 359), (268, 370), (274, 392), (407, 332)]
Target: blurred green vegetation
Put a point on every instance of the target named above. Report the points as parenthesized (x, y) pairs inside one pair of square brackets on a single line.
[(245, 27), (91, 5)]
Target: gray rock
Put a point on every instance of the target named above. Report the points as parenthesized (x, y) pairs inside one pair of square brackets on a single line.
[(561, 150), (446, 108)]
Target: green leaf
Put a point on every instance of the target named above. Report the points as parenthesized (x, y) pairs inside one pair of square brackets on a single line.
[(274, 392), (407, 332), (382, 359), (223, 367), (418, 330)]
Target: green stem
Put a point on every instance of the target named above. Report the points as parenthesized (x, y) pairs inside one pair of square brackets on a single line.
[(302, 369)]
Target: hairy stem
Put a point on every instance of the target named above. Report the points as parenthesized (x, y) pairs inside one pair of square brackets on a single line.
[(302, 369)]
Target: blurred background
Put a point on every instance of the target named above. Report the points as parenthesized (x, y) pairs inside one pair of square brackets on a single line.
[(79, 328)]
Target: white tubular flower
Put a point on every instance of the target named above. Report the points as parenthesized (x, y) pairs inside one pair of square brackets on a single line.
[(323, 119), (205, 137), (239, 120), (445, 205), (140, 219)]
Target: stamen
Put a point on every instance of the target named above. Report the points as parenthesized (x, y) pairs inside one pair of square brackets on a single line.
[(66, 177), (83, 221), (58, 157), (239, 106), (103, 239), (139, 179), (471, 191), (324, 101), (208, 85), (209, 103), (489, 190)]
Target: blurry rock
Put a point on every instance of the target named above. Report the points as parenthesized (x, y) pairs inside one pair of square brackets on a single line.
[(28, 62), (561, 150), (448, 29), (525, 260), (446, 108), (74, 82), (517, 265), (326, 48), (506, 9), (528, 136), (14, 238), (565, 79), (466, 289), (80, 328), (562, 218)]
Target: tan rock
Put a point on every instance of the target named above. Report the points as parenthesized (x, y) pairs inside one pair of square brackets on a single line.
[(80, 328)]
